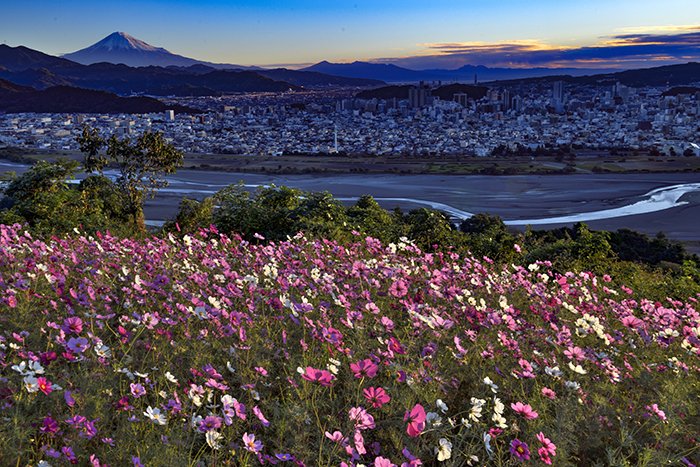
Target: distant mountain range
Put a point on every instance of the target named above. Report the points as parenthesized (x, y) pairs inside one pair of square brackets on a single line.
[(395, 74), (28, 67), (63, 99), (668, 75), (121, 48)]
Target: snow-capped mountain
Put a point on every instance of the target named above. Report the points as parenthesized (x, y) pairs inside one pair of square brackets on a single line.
[(120, 47)]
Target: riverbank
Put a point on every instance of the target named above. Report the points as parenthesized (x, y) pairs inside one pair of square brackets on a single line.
[(583, 162)]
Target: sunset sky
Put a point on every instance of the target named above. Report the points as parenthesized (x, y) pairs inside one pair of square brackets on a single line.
[(414, 34)]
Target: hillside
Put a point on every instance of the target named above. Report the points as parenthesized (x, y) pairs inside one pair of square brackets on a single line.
[(208, 349), (63, 99)]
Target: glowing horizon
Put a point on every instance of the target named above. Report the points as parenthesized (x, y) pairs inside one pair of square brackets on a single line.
[(408, 33)]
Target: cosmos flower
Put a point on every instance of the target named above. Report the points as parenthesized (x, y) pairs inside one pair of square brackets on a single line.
[(376, 396), (519, 450), (525, 410), (251, 444), (416, 421)]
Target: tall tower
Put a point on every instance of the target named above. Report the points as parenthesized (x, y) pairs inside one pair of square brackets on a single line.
[(335, 138)]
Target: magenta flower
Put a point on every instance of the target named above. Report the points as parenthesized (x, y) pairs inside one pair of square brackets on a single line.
[(364, 369), (323, 377), (44, 385), (416, 421), (519, 450), (210, 423), (49, 425), (251, 444), (549, 393), (376, 396), (525, 410), (72, 325)]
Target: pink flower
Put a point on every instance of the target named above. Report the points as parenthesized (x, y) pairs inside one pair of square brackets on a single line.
[(137, 390), (251, 444), (376, 396), (398, 289), (383, 462), (525, 410), (653, 409), (258, 413), (323, 377), (549, 393), (363, 420), (45, 386), (336, 436), (544, 456), (416, 420), (547, 444), (364, 368), (519, 450)]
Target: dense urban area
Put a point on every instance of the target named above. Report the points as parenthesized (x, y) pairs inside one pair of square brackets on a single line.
[(516, 117)]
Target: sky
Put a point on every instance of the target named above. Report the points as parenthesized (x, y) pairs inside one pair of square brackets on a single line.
[(415, 34)]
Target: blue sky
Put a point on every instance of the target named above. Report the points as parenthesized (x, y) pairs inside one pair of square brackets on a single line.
[(417, 34)]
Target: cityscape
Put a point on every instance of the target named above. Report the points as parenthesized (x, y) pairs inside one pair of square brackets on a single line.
[(521, 117)]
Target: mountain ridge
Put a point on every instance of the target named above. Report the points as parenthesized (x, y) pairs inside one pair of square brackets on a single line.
[(122, 48)]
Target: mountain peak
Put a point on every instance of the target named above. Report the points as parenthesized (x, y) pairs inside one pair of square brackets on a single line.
[(122, 41)]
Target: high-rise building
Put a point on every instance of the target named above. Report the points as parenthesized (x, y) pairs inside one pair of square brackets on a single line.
[(419, 96), (169, 115), (462, 99), (558, 96)]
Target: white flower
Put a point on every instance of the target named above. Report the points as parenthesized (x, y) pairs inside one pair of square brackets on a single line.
[(475, 412), (491, 384), (31, 383), (43, 464), (554, 372), (573, 385), (443, 450), (498, 406), (441, 405), (499, 420), (577, 369), (36, 367), (487, 444), (169, 376), (230, 368), (155, 415), (213, 438), (102, 351), (21, 368), (433, 419)]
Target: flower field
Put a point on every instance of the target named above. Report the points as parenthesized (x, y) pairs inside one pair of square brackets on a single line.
[(208, 350)]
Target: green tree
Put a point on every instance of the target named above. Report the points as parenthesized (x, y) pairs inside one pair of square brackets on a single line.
[(488, 236), (367, 216), (142, 166), (192, 216), (43, 198)]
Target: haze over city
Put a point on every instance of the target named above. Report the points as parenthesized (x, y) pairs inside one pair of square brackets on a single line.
[(412, 34)]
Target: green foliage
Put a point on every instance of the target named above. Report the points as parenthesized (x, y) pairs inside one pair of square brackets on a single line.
[(142, 166), (488, 236), (43, 198), (192, 216)]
